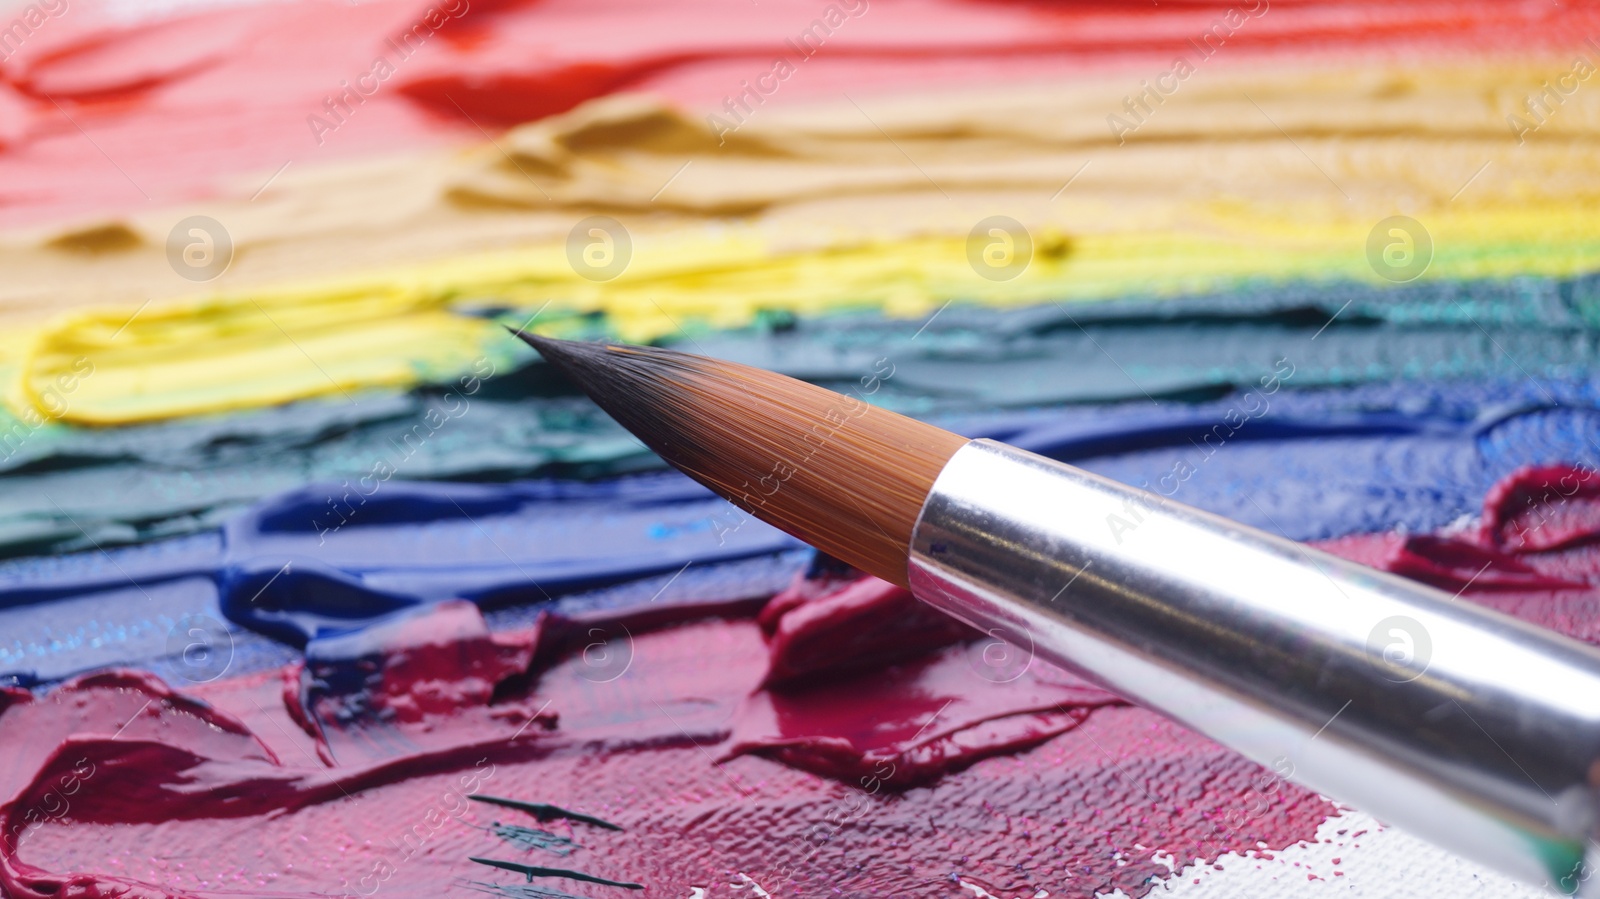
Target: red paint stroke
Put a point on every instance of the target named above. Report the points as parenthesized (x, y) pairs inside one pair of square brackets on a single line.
[(115, 785), (1541, 508), (830, 625), (104, 117), (419, 681), (121, 62), (953, 43)]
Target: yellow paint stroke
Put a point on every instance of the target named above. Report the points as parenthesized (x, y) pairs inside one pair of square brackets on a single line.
[(237, 352)]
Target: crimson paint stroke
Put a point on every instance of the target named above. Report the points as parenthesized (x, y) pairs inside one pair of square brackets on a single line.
[(1009, 776)]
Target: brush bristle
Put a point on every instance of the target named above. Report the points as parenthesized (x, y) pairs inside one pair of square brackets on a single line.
[(844, 476)]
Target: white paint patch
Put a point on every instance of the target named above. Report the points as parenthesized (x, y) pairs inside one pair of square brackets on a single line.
[(747, 883), (979, 892), (1352, 856)]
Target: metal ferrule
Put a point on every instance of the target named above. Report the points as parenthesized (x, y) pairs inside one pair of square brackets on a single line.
[(1463, 726)]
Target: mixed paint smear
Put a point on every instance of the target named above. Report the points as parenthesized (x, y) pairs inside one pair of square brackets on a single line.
[(397, 567)]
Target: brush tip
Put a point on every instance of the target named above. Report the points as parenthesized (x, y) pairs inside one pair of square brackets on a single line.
[(533, 340), (853, 478), (556, 350)]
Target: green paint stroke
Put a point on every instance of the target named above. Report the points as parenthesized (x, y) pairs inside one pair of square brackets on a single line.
[(546, 812), (533, 838), (533, 871), (521, 890)]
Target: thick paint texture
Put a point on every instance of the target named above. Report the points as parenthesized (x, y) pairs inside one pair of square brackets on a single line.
[(344, 280), (422, 682), (329, 80), (624, 742), (1310, 464), (836, 633), (1198, 314), (69, 485), (834, 621), (620, 721)]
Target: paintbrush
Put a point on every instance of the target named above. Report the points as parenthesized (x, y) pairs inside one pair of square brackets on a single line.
[(1461, 725)]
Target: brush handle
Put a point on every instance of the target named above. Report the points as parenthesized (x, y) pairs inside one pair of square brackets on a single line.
[(1463, 726)]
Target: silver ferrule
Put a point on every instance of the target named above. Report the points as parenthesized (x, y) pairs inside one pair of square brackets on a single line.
[(1463, 726)]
